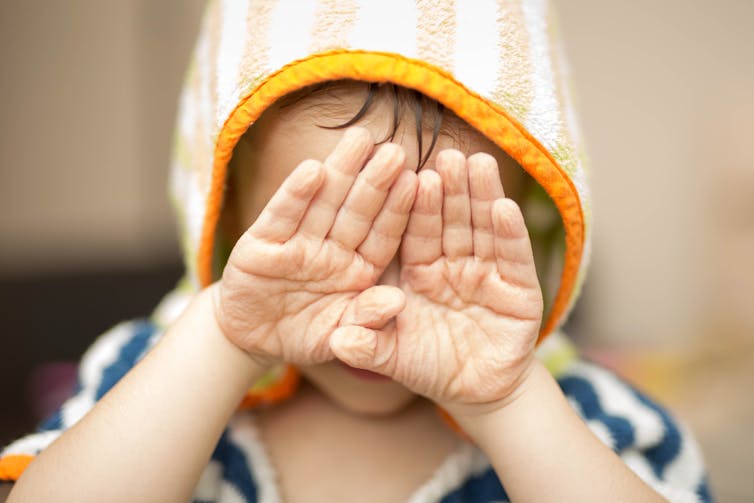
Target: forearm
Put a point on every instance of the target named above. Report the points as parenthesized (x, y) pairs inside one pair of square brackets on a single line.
[(542, 451), (149, 438)]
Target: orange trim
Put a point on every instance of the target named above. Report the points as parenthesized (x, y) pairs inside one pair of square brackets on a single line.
[(275, 393), (488, 118), (451, 423), (12, 466)]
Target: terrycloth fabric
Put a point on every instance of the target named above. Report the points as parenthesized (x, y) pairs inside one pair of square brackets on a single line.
[(498, 65), (492, 62)]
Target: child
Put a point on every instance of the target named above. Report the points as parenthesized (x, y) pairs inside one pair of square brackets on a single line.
[(387, 263)]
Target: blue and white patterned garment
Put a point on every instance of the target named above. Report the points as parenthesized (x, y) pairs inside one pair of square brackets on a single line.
[(645, 436)]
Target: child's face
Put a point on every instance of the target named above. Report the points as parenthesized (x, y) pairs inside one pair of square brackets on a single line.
[(285, 136)]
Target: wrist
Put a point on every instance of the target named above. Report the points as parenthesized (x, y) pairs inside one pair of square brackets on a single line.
[(213, 294), (534, 388), (247, 367)]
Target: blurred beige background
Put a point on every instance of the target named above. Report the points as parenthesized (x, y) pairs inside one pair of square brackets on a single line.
[(89, 89)]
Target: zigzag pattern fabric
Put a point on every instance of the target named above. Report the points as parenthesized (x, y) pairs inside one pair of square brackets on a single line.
[(642, 433)]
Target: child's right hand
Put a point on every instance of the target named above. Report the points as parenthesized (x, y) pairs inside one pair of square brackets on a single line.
[(310, 262)]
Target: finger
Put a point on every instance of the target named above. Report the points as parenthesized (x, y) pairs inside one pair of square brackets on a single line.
[(484, 188), (422, 243), (366, 198), (385, 235), (341, 168), (283, 213), (374, 307), (456, 209), (515, 259), (366, 348)]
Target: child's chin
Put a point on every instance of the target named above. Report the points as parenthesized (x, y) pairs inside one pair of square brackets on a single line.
[(356, 395), (366, 406)]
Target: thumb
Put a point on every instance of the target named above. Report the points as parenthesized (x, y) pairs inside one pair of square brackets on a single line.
[(366, 348), (374, 307)]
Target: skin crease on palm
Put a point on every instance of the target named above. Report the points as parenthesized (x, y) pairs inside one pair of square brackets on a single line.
[(465, 297)]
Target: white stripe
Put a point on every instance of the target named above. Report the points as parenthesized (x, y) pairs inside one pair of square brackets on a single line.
[(171, 307), (564, 67), (543, 120), (598, 428), (459, 466), (602, 432), (386, 25), (204, 100), (229, 494), (31, 444), (640, 466), (687, 469), (103, 353), (194, 206), (291, 25), (232, 43), (209, 482), (188, 117), (617, 399), (244, 433), (477, 55)]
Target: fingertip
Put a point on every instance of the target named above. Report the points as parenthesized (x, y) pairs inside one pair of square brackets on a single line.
[(407, 185), (307, 178), (396, 296), (393, 154), (481, 160), (451, 166), (358, 134), (429, 180), (354, 345), (484, 176), (449, 157), (377, 305), (507, 219), (429, 192)]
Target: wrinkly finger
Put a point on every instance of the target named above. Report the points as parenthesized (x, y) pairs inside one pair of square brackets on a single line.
[(341, 168), (457, 238), (365, 348), (374, 307), (367, 196), (484, 188), (422, 243), (282, 215), (513, 251), (385, 235)]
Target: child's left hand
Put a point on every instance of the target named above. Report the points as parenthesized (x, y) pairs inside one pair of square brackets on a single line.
[(473, 302)]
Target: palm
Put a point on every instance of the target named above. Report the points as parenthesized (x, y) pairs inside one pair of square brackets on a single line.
[(473, 303), (478, 343), (321, 280), (315, 250)]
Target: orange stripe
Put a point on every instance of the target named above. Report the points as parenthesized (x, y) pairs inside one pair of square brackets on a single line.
[(333, 23), (486, 117), (436, 32), (11, 467), (256, 54)]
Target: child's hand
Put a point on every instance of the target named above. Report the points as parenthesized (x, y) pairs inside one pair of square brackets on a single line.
[(473, 302), (310, 261)]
